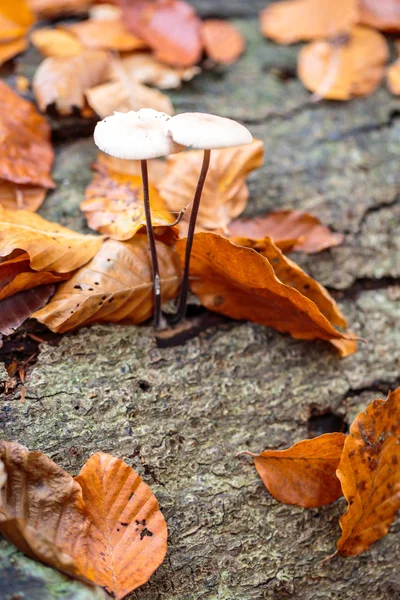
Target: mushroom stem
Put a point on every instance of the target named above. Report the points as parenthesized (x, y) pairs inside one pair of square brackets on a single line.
[(181, 310), (152, 244)]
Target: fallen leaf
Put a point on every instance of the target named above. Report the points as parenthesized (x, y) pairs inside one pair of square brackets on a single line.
[(384, 14), (116, 285), (123, 96), (305, 474), (17, 276), (393, 77), (340, 71), (170, 27), (3, 475), (20, 197), (26, 154), (15, 19), (155, 166), (240, 283), (286, 226), (296, 20), (50, 246), (114, 205), (145, 68), (56, 42), (10, 49), (16, 309), (98, 34), (50, 9), (369, 472), (225, 193), (222, 41), (345, 347), (64, 81)]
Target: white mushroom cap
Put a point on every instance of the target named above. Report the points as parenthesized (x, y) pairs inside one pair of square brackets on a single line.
[(135, 135), (205, 132)]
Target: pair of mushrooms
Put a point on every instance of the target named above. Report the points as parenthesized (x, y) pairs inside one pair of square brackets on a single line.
[(147, 134)]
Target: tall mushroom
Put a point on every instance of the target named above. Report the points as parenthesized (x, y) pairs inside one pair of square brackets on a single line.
[(206, 132), (139, 136)]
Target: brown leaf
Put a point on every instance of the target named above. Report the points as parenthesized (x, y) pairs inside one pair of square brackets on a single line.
[(340, 71), (225, 193), (145, 68), (26, 154), (222, 41), (393, 74), (240, 283), (16, 309), (304, 474), (369, 472), (114, 205), (155, 166), (64, 81), (50, 9), (286, 226), (381, 14), (171, 29), (3, 475), (15, 19), (10, 49), (20, 197), (116, 285), (17, 276), (101, 34), (50, 246), (56, 42), (295, 20)]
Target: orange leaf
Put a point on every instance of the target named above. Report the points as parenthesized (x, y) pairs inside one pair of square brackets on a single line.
[(26, 154), (10, 49), (23, 197), (285, 226), (369, 472), (16, 309), (156, 167), (381, 14), (50, 246), (295, 20), (240, 283), (17, 276), (171, 29), (340, 71), (56, 42), (63, 81), (116, 285), (222, 41), (15, 19), (114, 205), (304, 474), (49, 9), (112, 34), (225, 193)]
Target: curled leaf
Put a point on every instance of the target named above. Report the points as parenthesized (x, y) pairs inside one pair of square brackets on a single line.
[(369, 472), (16, 309), (16, 276), (147, 69), (384, 14), (304, 474), (222, 41), (56, 42), (99, 34)]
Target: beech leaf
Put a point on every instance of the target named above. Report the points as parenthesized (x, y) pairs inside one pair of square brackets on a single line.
[(222, 41), (99, 34), (369, 472), (383, 15), (56, 42), (14, 196), (304, 474), (16, 309), (17, 276)]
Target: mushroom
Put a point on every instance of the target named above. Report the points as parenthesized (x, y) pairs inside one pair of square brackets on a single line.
[(206, 132), (139, 136)]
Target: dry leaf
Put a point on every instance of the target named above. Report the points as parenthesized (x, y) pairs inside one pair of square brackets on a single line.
[(15, 19), (222, 41), (56, 42), (145, 68), (295, 20), (285, 227), (114, 205), (393, 77), (16, 309), (345, 347), (369, 472), (225, 193), (10, 49), (155, 166), (20, 197), (17, 276), (240, 283), (123, 96), (50, 246), (64, 81), (50, 9), (340, 71), (96, 34), (115, 285), (26, 154), (305, 474), (3, 475), (381, 14), (171, 28)]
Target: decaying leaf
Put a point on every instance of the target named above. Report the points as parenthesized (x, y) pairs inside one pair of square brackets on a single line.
[(105, 526), (381, 14), (15, 20), (343, 70), (16, 276), (295, 20), (369, 472), (222, 41), (50, 9), (20, 197), (145, 68), (305, 474), (240, 283), (99, 34), (225, 192), (171, 29), (114, 205), (155, 166), (26, 154), (64, 81), (10, 49), (50, 246), (16, 309), (56, 42), (116, 285)]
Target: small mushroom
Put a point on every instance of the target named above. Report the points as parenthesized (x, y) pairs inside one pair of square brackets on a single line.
[(139, 136), (202, 132)]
